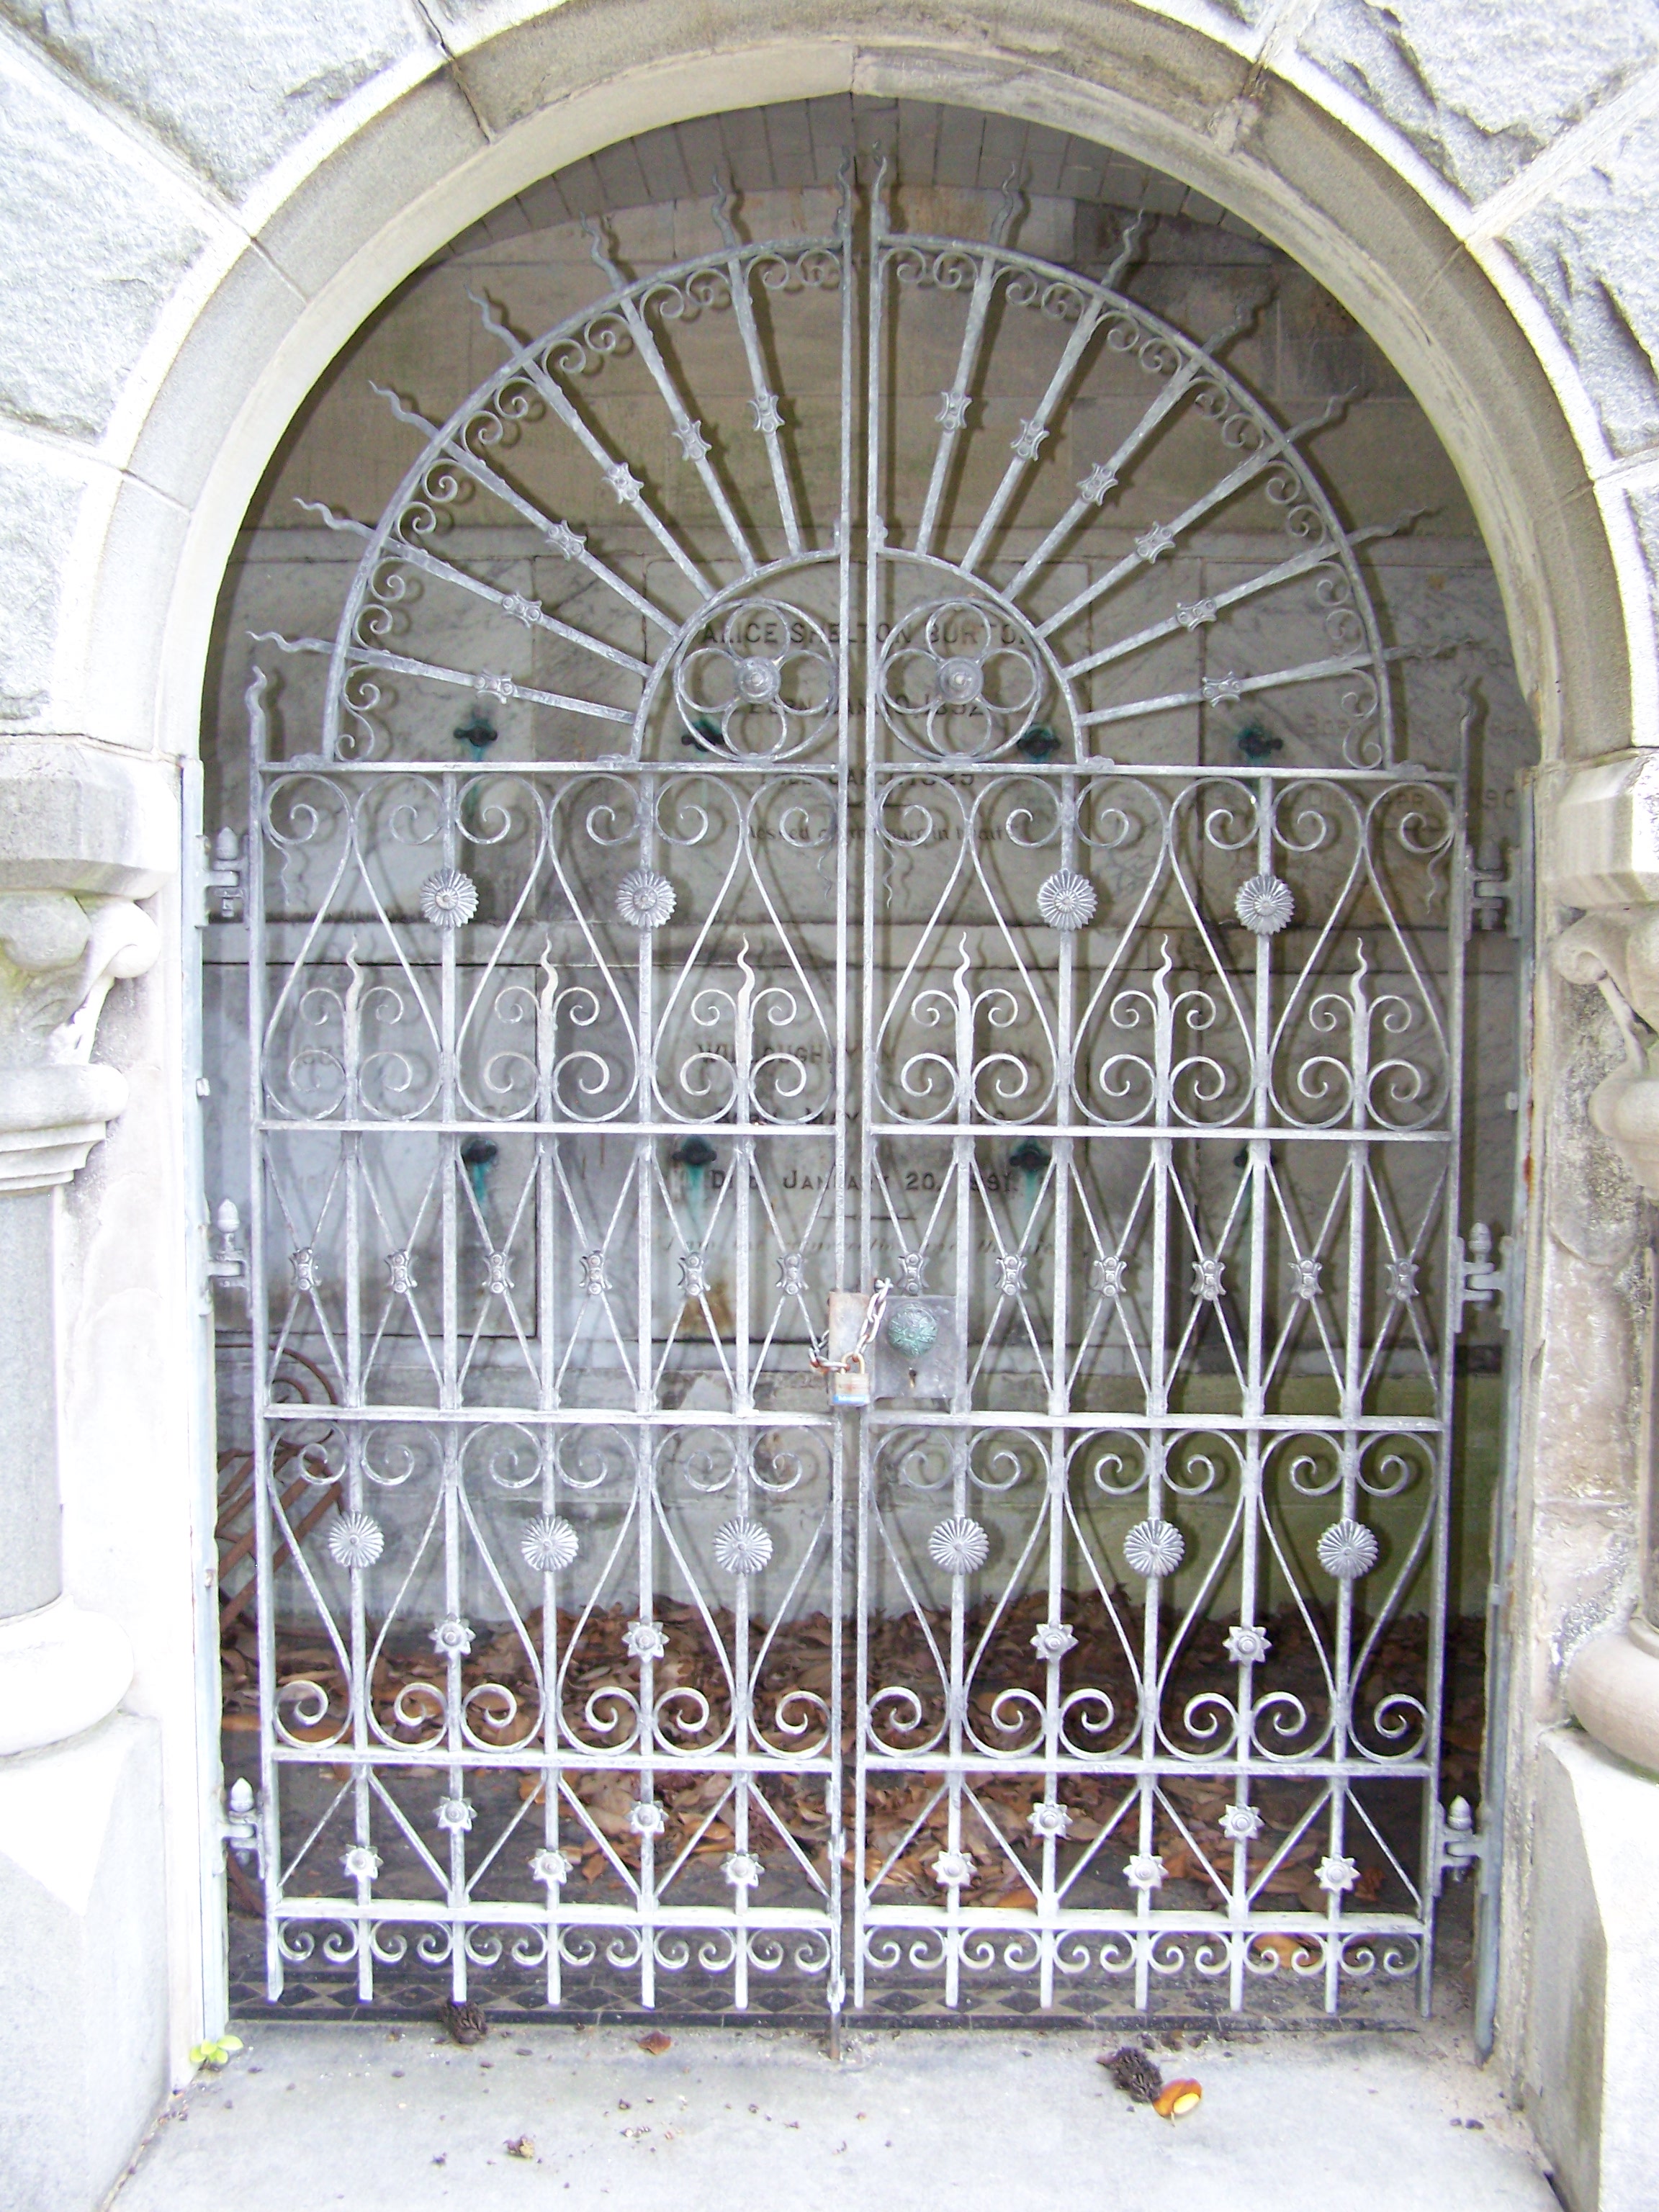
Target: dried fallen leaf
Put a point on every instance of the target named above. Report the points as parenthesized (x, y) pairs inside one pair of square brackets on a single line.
[(656, 2042), (520, 2146)]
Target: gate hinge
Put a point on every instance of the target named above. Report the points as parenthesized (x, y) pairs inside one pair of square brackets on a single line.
[(224, 877), (1458, 1845), (241, 1826), (1480, 1278), (1495, 893), (226, 1260)]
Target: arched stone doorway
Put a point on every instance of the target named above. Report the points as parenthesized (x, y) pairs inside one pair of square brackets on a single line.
[(124, 562)]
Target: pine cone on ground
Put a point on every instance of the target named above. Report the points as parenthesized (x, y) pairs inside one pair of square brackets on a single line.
[(1135, 2073), (466, 2023)]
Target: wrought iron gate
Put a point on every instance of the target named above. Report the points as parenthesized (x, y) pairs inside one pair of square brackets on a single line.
[(971, 875)]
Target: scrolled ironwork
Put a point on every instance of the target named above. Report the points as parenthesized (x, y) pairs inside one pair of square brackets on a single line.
[(835, 882)]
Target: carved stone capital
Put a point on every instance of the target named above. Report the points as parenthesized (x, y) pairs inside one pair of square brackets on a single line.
[(58, 956), (1616, 952), (83, 835)]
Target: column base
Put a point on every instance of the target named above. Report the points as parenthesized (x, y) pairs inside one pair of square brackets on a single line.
[(1611, 1689), (62, 1671), (1593, 2024), (84, 1968)]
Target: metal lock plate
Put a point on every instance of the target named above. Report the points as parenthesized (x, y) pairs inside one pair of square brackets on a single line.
[(917, 1356)]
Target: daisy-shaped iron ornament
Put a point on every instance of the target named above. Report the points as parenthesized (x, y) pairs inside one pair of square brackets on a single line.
[(960, 1546), (1066, 901), (645, 900), (448, 898), (356, 1539), (742, 1547), (1347, 1550), (1154, 1548), (550, 1544), (1264, 905)]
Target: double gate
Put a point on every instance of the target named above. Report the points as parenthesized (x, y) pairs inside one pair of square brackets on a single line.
[(803, 795)]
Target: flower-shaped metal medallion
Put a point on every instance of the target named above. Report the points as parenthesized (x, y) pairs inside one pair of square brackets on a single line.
[(550, 1867), (960, 679), (764, 688), (961, 1546), (1264, 905), (452, 1636), (1154, 1548), (1336, 1874), (548, 1544), (1067, 900), (455, 1813), (1144, 1871), (645, 1640), (742, 1869), (1246, 1646), (953, 1869), (1047, 1819), (645, 900), (448, 898), (360, 1863), (356, 1539), (1053, 1640), (742, 1547), (1240, 1822), (1348, 1550), (647, 1820)]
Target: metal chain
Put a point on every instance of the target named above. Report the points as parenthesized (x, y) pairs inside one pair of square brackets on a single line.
[(819, 1357)]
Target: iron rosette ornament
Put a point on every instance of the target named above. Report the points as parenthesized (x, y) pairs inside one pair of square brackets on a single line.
[(761, 683), (962, 679)]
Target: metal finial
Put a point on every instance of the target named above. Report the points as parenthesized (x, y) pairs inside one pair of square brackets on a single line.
[(1010, 204)]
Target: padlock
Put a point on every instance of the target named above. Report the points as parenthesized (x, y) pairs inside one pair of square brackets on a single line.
[(849, 1384)]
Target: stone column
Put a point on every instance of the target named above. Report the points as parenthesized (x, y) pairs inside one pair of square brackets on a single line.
[(84, 836), (65, 937), (1602, 855)]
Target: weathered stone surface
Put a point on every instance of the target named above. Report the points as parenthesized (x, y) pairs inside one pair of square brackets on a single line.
[(1590, 2052), (94, 241), (74, 820), (1644, 511), (1587, 250), (84, 2039), (1244, 11), (37, 515), (1479, 89), (231, 89)]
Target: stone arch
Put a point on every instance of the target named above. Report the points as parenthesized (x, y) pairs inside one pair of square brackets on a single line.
[(562, 84)]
